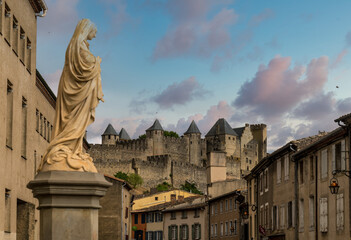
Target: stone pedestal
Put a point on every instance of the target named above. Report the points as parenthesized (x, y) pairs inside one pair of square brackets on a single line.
[(68, 204)]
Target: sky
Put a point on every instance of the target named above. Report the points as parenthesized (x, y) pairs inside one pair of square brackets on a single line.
[(283, 63)]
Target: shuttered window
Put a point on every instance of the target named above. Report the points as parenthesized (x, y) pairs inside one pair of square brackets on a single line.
[(286, 167), (340, 212), (323, 212), (282, 217), (324, 164), (301, 215), (279, 171)]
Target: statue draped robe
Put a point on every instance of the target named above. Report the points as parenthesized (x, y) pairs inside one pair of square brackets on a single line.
[(78, 95)]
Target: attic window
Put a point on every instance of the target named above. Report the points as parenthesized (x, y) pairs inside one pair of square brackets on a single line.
[(156, 198)]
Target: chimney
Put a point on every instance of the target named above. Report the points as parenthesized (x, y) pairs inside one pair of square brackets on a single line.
[(173, 198), (181, 198)]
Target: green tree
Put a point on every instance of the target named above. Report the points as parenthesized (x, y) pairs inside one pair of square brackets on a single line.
[(170, 134), (190, 187), (135, 180), (142, 136), (122, 175), (163, 187)]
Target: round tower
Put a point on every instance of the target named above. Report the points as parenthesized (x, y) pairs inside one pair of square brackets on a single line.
[(110, 136), (193, 135), (155, 136)]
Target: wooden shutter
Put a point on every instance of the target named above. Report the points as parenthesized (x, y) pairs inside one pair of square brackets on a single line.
[(187, 232), (199, 231), (176, 227), (169, 232), (286, 167), (343, 158), (340, 212), (323, 207), (293, 213)]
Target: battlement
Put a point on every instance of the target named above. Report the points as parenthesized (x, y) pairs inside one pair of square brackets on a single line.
[(158, 158), (260, 126), (135, 144), (169, 139)]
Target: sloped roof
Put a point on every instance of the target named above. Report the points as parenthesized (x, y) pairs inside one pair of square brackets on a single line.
[(221, 127), (239, 131), (193, 128), (123, 135), (193, 203), (155, 126), (110, 130)]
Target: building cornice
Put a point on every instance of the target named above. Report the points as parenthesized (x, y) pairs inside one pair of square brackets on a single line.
[(39, 6)]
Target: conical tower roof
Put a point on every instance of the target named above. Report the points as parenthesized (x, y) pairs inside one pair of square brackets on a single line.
[(110, 130), (123, 135), (221, 127), (155, 126), (192, 128)]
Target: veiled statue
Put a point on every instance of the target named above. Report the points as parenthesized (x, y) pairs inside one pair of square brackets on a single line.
[(79, 93)]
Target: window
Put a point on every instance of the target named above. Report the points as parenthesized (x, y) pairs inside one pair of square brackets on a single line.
[(173, 232), (221, 207), (136, 218), (184, 214), (41, 124), (221, 229), (266, 180), (216, 209), (45, 128), (7, 211), (290, 214), (156, 198), (212, 209), (340, 212), (184, 232), (150, 217), (286, 167), (279, 169), (323, 214), (212, 232), (196, 213), (9, 115), (261, 183), (266, 216), (226, 205), (173, 215), (143, 218), (149, 235), (230, 204), (275, 217), (7, 24), (301, 171), (196, 231), (338, 158), (22, 45), (215, 230), (226, 228), (15, 34), (37, 120), (301, 215), (126, 215), (311, 168), (159, 235), (324, 164), (158, 217), (29, 55), (311, 212)]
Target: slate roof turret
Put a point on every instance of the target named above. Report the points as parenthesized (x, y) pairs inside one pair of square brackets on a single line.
[(110, 131), (155, 126), (221, 127), (192, 128), (123, 135)]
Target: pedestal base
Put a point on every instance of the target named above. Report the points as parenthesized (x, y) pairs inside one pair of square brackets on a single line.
[(68, 204)]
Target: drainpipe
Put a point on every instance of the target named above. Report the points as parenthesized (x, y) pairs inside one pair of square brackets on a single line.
[(348, 127), (257, 207), (44, 7), (316, 194), (296, 188)]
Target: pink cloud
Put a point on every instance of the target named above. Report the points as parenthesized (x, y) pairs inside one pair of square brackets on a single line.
[(277, 88), (339, 58)]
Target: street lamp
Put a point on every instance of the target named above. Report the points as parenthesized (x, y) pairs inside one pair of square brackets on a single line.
[(334, 186)]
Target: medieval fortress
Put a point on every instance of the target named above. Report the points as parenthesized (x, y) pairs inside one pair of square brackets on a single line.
[(158, 158)]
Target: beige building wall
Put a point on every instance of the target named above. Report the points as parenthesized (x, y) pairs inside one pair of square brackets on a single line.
[(159, 198), (189, 220), (20, 144)]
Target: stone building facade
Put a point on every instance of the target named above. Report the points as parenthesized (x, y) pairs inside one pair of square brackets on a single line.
[(26, 116), (177, 160)]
